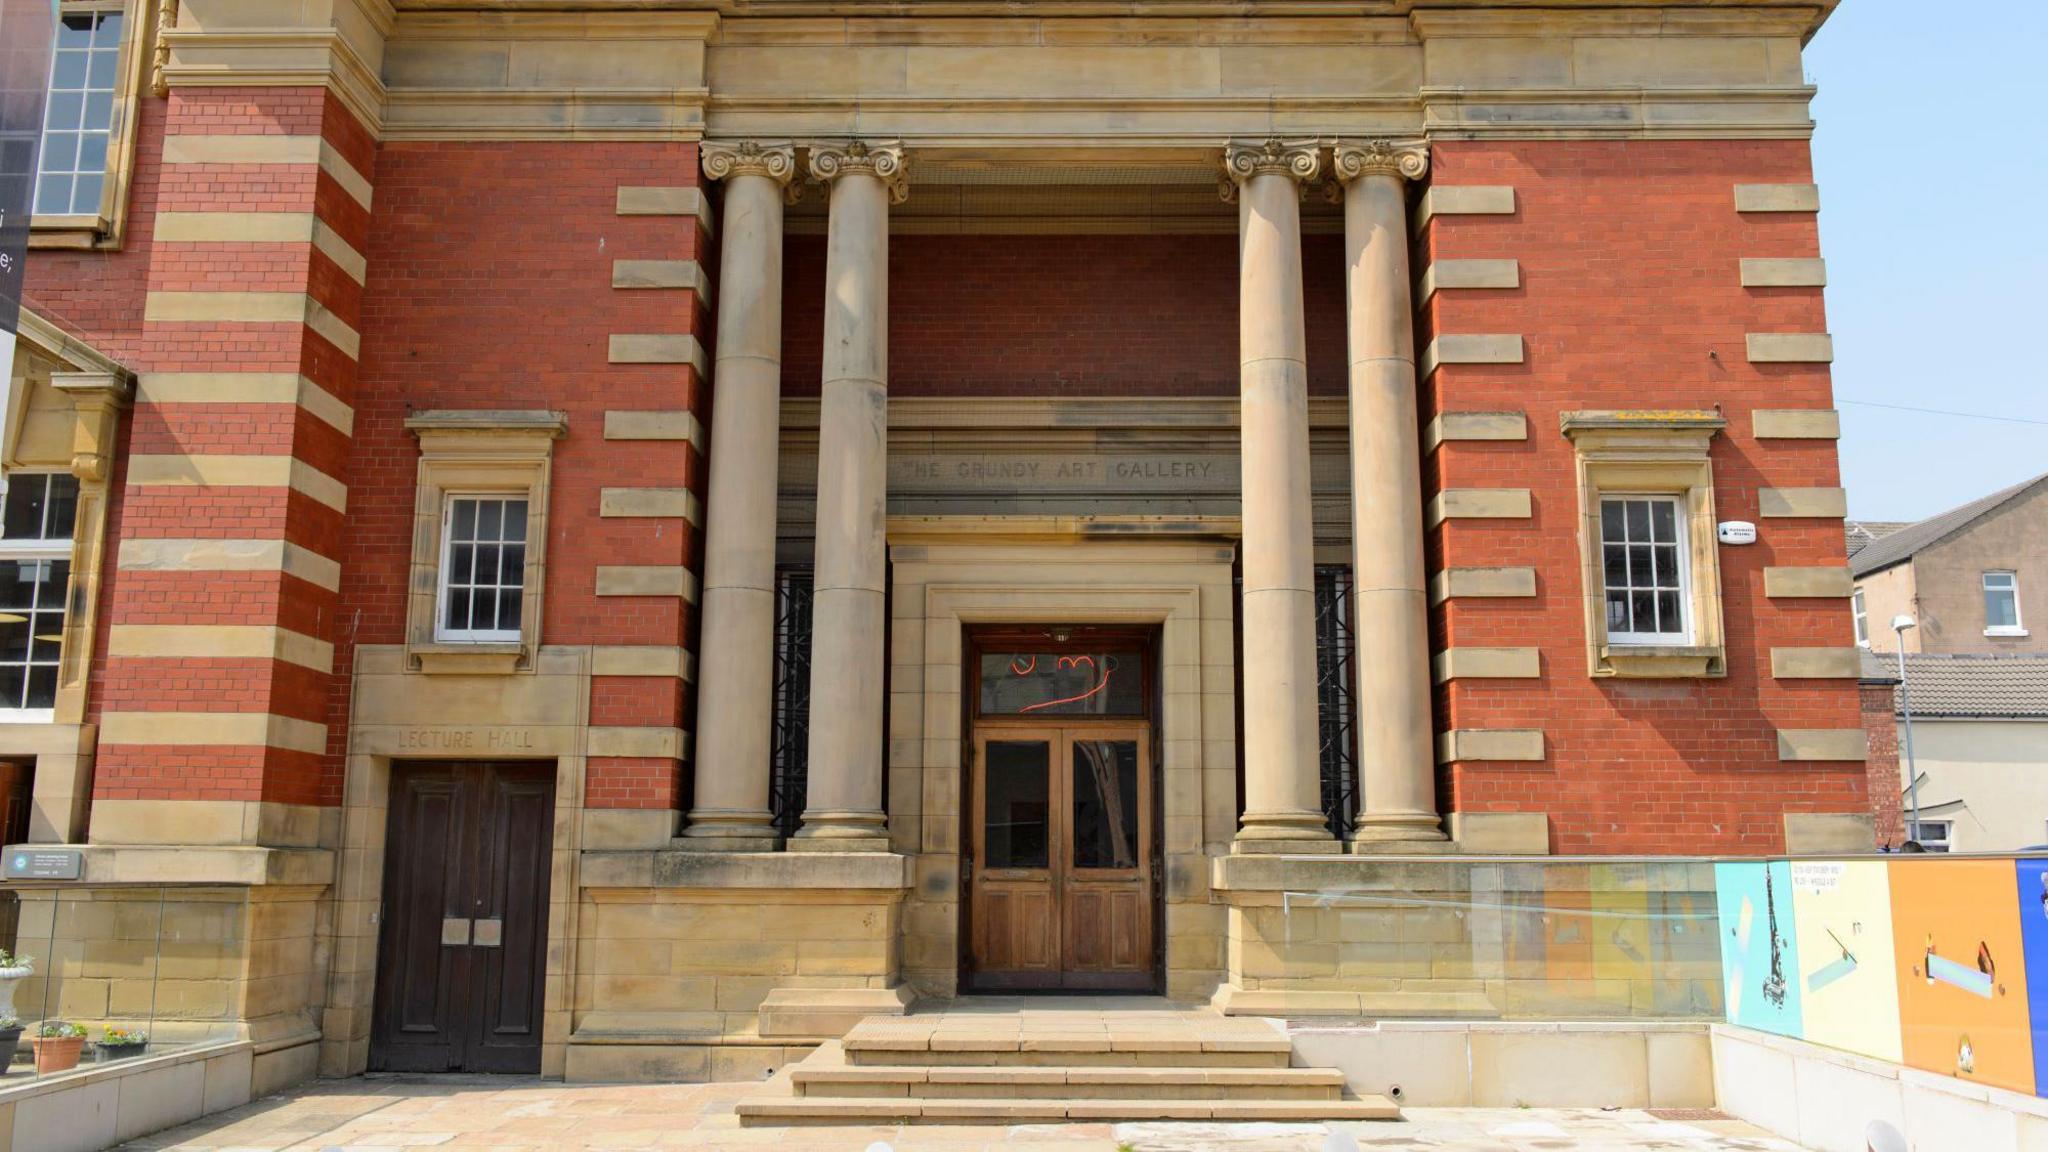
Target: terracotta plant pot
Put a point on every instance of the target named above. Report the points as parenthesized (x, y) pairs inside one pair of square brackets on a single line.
[(56, 1055)]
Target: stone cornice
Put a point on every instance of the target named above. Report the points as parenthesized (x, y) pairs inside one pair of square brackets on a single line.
[(884, 160), (1351, 159), (336, 44)]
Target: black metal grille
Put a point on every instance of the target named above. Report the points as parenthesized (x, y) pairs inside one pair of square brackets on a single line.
[(1336, 701), (790, 740)]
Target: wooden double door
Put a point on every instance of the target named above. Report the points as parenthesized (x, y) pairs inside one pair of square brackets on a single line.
[(462, 952), (1062, 868)]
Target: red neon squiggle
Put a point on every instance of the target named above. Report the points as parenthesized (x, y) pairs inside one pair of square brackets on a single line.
[(1073, 662), (1027, 669)]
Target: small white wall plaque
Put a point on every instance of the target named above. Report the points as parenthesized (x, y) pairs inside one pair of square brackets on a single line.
[(1738, 532)]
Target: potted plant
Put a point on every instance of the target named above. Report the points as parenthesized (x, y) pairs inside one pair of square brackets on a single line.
[(120, 1044), (13, 970), (10, 1039), (58, 1044)]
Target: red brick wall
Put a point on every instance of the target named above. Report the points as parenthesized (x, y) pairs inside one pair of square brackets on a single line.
[(1061, 315), (1630, 298), (1880, 720), (490, 287)]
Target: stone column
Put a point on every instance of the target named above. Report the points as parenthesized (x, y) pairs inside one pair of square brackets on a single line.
[(1391, 619), (1282, 802), (844, 813), (736, 660)]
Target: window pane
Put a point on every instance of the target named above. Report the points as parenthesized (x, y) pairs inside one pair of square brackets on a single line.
[(1610, 521), (1643, 611), (75, 32), (1617, 566), (53, 194), (85, 195), (1638, 520), (24, 516), (63, 110), (487, 512), (1105, 804), (508, 611), (465, 520), (1664, 519), (62, 516), (14, 636), (512, 568), (457, 617), (1017, 807), (515, 520), (108, 34), (13, 679), (99, 111), (1668, 617), (1617, 611), (485, 609), (1639, 565), (1667, 566), (67, 70), (17, 584), (487, 564), (461, 563), (60, 152), (42, 686), (92, 152), (1062, 683), (100, 72), (2001, 609)]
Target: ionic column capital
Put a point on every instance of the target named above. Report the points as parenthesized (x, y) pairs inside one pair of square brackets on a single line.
[(1351, 159), (775, 159), (884, 160), (1298, 160)]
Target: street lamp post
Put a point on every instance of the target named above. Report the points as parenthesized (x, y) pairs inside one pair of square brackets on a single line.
[(1900, 626)]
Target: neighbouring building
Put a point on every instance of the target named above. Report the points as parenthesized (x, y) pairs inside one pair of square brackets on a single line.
[(617, 538), (1979, 750), (1971, 577)]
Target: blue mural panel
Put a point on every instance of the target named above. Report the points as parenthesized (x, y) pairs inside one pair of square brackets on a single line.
[(1759, 955), (2033, 885)]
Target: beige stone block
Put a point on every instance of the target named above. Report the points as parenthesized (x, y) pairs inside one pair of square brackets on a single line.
[(1479, 504), (653, 425), (178, 471), (185, 728), (730, 1063), (1816, 663), (1518, 833), (1821, 582), (1479, 583), (649, 502), (657, 348), (637, 1064), (1464, 200), (1468, 274), (662, 742), (1829, 833), (245, 388), (1796, 424), (1469, 348), (1777, 198), (1790, 347), (637, 660), (229, 556), (683, 274), (1489, 744), (1823, 744), (1463, 663), (647, 580), (665, 202), (1818, 503), (221, 641), (1784, 273), (1448, 426)]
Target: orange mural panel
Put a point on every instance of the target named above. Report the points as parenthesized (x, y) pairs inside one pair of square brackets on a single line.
[(1962, 971)]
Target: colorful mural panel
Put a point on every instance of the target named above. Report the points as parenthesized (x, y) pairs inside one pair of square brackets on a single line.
[(1759, 951), (1963, 1008), (2033, 894), (1848, 981)]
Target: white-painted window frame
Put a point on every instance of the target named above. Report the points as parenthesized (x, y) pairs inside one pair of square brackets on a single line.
[(1859, 612), (1942, 843), (444, 634), (1682, 547), (2018, 627), (42, 550)]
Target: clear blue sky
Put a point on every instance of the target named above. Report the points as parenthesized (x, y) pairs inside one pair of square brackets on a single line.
[(1932, 160)]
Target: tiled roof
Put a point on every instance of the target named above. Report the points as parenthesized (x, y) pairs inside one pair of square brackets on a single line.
[(1888, 550), (1862, 534), (1967, 685)]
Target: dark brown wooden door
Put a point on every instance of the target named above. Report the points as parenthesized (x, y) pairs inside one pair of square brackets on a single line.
[(17, 785), (461, 957), (1061, 891)]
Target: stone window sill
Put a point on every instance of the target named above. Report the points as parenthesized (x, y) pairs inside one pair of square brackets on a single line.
[(67, 231), (1661, 661), (469, 659), (2008, 633)]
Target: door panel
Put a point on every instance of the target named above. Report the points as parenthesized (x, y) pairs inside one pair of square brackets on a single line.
[(1061, 843), (461, 952)]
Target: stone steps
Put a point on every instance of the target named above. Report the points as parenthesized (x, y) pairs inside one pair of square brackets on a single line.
[(1003, 1068)]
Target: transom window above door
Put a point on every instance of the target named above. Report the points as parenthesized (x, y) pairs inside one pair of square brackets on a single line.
[(1026, 683)]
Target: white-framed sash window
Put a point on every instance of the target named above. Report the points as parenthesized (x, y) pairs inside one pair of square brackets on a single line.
[(2002, 604), (1643, 553), (483, 569), (1861, 615), (79, 113), (36, 526)]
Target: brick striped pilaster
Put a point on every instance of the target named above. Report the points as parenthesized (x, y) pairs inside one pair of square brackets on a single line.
[(220, 660)]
